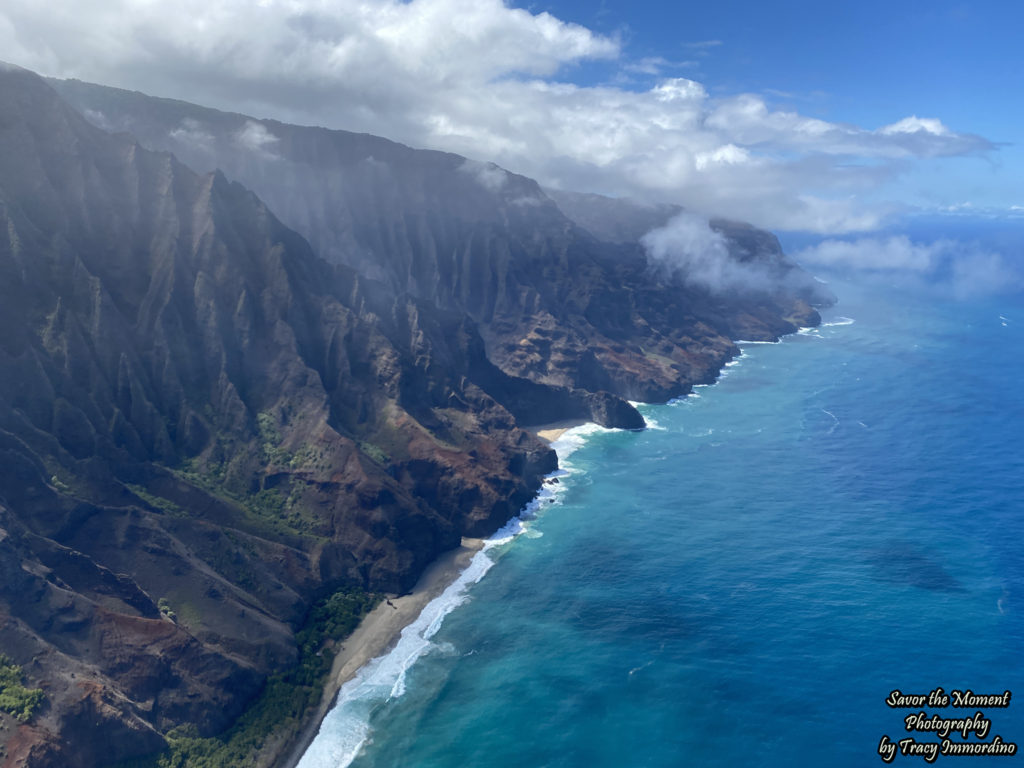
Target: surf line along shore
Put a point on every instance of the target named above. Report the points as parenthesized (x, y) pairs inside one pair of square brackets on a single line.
[(379, 632), (381, 629)]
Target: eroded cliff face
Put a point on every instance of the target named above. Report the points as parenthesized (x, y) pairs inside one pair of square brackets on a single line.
[(205, 426), (199, 415), (565, 300)]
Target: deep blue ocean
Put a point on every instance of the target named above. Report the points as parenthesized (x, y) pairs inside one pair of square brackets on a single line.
[(745, 582)]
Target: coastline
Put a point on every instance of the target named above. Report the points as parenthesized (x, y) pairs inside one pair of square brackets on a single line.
[(551, 431), (380, 630), (377, 634)]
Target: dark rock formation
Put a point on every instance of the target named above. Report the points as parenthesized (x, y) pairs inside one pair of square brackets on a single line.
[(563, 303), (204, 426), (199, 417)]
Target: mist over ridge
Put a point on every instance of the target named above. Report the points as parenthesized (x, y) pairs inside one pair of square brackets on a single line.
[(218, 416)]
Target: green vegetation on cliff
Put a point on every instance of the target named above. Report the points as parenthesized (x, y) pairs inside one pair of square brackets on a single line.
[(15, 698), (278, 712), (205, 425)]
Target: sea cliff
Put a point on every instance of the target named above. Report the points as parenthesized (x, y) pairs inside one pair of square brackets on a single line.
[(212, 417)]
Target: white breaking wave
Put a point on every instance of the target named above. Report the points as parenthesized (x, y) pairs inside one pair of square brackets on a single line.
[(693, 395), (572, 440), (641, 407), (839, 321), (346, 728), (727, 368)]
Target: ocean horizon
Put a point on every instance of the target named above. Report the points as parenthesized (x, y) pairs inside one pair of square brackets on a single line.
[(746, 581), (301, 300)]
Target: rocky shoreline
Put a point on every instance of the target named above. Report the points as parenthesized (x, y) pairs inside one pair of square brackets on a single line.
[(379, 631), (212, 417), (377, 634)]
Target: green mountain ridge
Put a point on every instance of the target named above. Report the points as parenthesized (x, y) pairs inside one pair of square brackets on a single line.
[(205, 427), (558, 298)]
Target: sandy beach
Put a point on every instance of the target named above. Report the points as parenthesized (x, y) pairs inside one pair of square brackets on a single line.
[(379, 632), (554, 430)]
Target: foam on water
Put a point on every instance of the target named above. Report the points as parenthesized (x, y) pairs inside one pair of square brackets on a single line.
[(646, 409), (346, 728), (572, 440), (727, 369), (810, 332), (693, 603), (688, 399)]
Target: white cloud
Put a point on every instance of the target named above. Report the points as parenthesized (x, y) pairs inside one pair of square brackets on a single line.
[(982, 272), (915, 124), (487, 81), (650, 65), (727, 154), (971, 210), (679, 89), (189, 132), (253, 136), (487, 175), (893, 253), (98, 118), (688, 247), (962, 269)]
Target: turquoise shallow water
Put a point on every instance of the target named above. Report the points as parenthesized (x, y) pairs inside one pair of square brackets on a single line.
[(744, 583)]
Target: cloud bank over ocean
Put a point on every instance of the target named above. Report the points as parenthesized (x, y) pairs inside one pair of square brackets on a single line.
[(491, 82), (962, 268)]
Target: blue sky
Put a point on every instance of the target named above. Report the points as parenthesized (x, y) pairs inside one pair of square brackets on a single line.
[(837, 119), (867, 63)]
